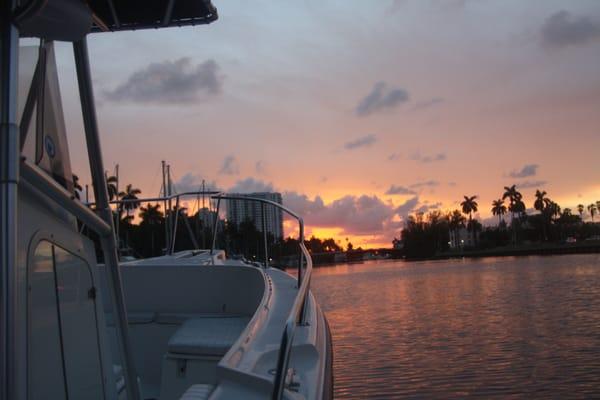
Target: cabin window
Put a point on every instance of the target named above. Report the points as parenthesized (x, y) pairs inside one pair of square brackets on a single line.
[(64, 352)]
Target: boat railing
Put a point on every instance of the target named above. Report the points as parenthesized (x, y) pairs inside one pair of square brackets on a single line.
[(297, 315), (170, 226)]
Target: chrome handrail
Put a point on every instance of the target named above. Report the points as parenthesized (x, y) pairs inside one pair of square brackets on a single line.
[(171, 245), (159, 198), (297, 313)]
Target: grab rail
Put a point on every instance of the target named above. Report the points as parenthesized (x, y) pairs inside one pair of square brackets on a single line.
[(297, 314), (177, 196)]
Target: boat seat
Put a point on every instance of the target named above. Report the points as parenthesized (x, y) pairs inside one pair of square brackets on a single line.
[(198, 392), (208, 336)]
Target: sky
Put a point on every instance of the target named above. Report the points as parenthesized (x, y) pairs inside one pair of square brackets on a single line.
[(360, 113)]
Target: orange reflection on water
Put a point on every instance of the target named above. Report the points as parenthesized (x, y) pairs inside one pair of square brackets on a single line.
[(450, 329)]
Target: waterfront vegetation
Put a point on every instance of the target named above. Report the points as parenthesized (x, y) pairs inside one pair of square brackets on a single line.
[(439, 233), (436, 233), (148, 238)]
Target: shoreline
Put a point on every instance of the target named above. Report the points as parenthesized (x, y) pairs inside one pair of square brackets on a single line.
[(528, 250), (507, 251)]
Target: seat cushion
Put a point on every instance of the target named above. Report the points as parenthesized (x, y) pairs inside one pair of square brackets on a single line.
[(198, 392), (207, 336)]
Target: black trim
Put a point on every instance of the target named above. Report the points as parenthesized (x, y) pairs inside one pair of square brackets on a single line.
[(328, 381)]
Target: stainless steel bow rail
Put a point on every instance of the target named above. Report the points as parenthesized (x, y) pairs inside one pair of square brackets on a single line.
[(297, 315), (172, 233)]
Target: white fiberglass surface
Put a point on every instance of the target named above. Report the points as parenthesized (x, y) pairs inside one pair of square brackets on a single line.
[(64, 347)]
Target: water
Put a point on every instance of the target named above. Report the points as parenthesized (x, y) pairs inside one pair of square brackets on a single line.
[(502, 327)]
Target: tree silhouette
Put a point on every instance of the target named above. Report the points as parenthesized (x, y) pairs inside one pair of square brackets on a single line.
[(130, 195), (111, 186), (580, 208), (499, 209), (547, 209), (456, 221), (541, 201), (592, 210), (515, 205), (151, 214), (469, 206)]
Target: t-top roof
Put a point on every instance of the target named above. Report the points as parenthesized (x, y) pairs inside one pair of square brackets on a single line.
[(120, 15)]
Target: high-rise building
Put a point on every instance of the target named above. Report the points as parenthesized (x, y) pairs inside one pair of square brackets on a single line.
[(239, 211)]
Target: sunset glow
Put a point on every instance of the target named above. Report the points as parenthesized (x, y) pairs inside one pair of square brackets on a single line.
[(357, 125)]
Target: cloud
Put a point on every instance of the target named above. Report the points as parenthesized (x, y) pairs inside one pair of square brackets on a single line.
[(260, 167), (363, 141), (564, 29), (169, 82), (429, 183), (394, 157), (251, 185), (527, 170), (531, 184), (381, 98), (425, 207), (423, 105), (193, 183), (230, 166), (407, 207), (399, 190), (428, 158), (359, 215)]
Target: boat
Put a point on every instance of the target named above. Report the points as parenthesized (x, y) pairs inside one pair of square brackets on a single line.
[(192, 324)]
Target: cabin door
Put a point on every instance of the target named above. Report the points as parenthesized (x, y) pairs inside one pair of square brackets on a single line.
[(63, 347)]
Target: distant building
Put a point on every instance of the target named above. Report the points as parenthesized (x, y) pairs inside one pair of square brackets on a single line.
[(239, 211), (462, 238)]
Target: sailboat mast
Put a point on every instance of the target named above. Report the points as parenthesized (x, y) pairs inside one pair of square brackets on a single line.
[(164, 194)]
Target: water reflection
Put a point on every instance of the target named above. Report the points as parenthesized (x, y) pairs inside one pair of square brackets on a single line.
[(517, 327)]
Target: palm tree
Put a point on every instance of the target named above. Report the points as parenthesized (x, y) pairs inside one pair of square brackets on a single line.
[(111, 186), (519, 208), (469, 206), (130, 197), (580, 208), (592, 210), (553, 209), (76, 187), (456, 221), (151, 217), (514, 196), (541, 201), (499, 209), (545, 206), (151, 214)]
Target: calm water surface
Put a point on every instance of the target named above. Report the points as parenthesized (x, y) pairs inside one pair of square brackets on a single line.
[(504, 327)]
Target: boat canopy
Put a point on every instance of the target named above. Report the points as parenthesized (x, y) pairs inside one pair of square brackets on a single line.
[(70, 20), (145, 14)]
